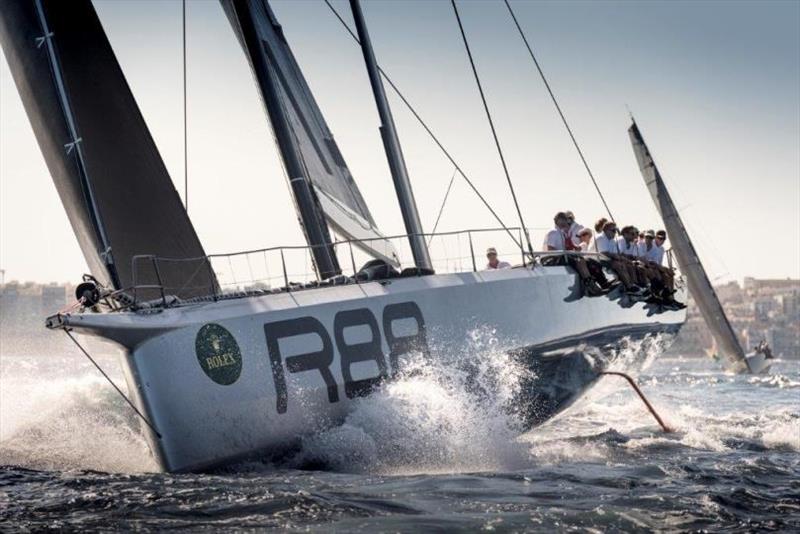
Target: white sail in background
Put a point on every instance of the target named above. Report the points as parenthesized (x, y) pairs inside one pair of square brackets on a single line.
[(689, 262)]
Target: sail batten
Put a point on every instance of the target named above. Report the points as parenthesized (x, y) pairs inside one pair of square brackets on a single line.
[(323, 189), (104, 163), (686, 255)]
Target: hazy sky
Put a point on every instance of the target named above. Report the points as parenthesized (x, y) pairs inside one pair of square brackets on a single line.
[(715, 87)]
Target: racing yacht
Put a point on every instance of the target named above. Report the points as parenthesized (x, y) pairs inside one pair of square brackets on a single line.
[(218, 372)]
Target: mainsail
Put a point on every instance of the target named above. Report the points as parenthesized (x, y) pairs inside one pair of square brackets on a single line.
[(318, 175), (686, 255), (114, 186)]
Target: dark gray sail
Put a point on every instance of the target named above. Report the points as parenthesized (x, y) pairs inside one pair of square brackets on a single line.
[(686, 255), (114, 186), (323, 188)]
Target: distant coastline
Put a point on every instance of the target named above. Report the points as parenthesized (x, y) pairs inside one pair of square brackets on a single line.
[(767, 309)]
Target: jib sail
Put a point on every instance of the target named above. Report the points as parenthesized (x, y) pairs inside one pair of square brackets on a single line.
[(686, 255), (107, 170), (323, 188)]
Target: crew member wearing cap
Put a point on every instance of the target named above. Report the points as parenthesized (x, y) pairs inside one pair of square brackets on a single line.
[(646, 244), (629, 247), (606, 243), (494, 263), (663, 278), (558, 239), (656, 257), (586, 244), (647, 251)]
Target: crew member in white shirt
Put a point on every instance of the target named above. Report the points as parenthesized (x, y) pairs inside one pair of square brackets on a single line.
[(647, 247), (494, 263), (574, 228), (627, 243), (558, 238), (656, 255), (606, 244)]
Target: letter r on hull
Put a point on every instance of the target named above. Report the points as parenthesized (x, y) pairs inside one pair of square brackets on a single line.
[(320, 360)]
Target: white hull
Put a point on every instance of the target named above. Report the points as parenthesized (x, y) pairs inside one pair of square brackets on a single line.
[(757, 363), (214, 400)]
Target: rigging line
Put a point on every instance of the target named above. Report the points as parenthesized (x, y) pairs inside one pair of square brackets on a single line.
[(558, 108), (185, 129), (428, 130), (135, 409), (441, 208), (494, 132)]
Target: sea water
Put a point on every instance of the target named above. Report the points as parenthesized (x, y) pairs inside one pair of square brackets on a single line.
[(433, 451)]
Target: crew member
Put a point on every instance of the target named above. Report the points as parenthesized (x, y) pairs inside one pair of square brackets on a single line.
[(494, 263), (585, 240), (559, 239), (657, 253), (574, 228), (606, 243)]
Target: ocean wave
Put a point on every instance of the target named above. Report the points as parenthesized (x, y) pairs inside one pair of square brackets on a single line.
[(67, 421)]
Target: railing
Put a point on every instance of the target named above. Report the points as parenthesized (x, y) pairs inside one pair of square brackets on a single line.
[(289, 268)]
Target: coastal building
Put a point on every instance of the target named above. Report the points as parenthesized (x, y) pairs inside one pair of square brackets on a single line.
[(759, 309)]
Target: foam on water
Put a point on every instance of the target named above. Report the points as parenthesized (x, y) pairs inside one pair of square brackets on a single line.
[(58, 413), (619, 424)]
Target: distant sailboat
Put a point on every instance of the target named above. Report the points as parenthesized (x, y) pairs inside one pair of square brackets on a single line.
[(700, 287), (218, 376)]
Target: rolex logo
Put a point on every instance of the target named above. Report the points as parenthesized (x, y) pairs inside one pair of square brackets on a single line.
[(218, 354)]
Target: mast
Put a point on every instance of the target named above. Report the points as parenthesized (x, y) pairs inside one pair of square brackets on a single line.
[(246, 17), (699, 284), (391, 144)]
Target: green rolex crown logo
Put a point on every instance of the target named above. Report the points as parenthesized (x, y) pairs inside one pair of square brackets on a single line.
[(218, 354)]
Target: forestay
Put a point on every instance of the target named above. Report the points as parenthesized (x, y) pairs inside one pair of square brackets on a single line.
[(114, 186), (689, 262), (309, 152)]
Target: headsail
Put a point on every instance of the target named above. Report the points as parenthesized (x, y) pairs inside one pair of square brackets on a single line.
[(317, 172), (686, 255), (107, 170)]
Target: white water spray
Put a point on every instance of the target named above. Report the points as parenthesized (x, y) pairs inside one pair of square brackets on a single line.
[(454, 415), (57, 412)]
